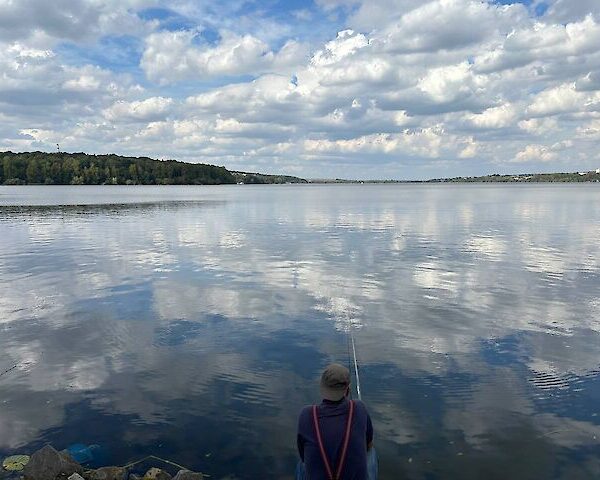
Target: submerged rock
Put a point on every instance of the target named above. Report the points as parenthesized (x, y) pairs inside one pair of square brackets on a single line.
[(47, 464), (107, 473), (156, 474), (188, 475)]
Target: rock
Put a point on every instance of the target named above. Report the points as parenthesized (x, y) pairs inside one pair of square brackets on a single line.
[(156, 474), (188, 475), (75, 476), (47, 464), (107, 473)]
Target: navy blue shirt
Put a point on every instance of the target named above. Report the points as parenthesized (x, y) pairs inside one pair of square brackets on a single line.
[(332, 423)]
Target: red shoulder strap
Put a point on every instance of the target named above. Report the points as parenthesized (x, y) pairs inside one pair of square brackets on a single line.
[(342, 460), (320, 442)]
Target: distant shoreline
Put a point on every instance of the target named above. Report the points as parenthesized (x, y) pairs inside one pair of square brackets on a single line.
[(568, 178), (43, 168), (576, 177), (59, 168)]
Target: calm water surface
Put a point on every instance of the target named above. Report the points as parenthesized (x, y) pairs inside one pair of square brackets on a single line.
[(192, 323)]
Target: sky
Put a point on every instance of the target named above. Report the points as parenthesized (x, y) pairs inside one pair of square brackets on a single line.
[(386, 89)]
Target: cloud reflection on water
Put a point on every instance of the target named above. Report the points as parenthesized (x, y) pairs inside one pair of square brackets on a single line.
[(155, 315)]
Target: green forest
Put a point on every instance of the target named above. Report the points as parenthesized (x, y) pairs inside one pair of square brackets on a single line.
[(83, 169)]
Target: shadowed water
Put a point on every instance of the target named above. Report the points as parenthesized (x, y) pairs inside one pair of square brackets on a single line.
[(192, 323)]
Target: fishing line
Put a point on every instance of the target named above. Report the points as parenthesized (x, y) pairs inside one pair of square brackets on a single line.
[(16, 365), (9, 370), (154, 457)]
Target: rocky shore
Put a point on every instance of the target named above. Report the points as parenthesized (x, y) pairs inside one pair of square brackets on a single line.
[(50, 464)]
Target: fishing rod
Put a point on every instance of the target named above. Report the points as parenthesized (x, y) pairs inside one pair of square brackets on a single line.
[(352, 358), (355, 365)]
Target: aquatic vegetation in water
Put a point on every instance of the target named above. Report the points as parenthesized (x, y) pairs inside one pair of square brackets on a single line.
[(15, 463)]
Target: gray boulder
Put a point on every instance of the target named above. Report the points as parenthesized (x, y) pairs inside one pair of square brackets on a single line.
[(48, 464), (188, 475), (107, 473)]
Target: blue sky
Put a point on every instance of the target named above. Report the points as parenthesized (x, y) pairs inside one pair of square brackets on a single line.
[(330, 88)]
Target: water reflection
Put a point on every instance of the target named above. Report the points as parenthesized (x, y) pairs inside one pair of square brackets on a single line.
[(195, 328)]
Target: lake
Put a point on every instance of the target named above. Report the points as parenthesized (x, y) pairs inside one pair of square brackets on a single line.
[(192, 323)]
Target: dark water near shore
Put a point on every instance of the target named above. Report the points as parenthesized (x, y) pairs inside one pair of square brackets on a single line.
[(192, 323)]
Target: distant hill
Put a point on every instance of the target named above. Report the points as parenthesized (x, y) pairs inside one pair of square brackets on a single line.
[(259, 178), (84, 169)]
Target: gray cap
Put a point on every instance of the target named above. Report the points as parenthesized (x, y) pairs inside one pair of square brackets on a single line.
[(335, 380)]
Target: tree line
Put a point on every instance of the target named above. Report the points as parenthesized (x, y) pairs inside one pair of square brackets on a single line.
[(575, 177), (83, 169)]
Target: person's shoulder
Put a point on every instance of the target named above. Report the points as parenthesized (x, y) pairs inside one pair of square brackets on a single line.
[(305, 417), (306, 411), (360, 406)]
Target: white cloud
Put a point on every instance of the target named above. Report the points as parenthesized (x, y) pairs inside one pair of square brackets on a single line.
[(535, 153), (442, 25), (173, 56), (35, 78), (408, 87), (147, 110), (541, 44), (539, 126), (590, 130), (495, 117), (84, 83), (566, 11), (67, 19), (346, 43), (561, 99), (470, 150), (425, 143), (449, 83)]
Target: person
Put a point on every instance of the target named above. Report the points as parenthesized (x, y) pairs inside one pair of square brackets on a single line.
[(335, 438)]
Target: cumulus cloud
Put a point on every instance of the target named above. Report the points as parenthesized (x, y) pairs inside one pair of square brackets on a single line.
[(542, 44), (536, 153), (408, 86), (590, 130), (565, 11), (66, 19), (424, 143), (38, 90), (440, 25), (563, 99), (150, 109), (495, 117), (539, 126), (449, 83), (173, 56), (346, 43)]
